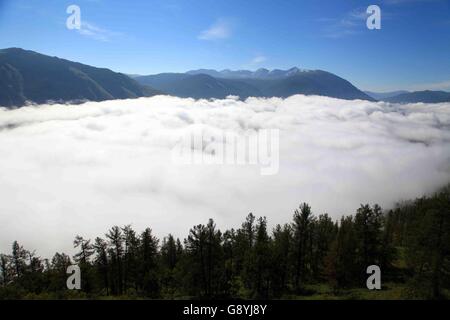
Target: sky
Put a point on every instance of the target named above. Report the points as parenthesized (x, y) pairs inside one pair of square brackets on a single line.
[(411, 50)]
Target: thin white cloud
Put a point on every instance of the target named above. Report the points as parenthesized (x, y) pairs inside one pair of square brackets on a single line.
[(79, 169), (221, 29), (95, 32), (350, 24)]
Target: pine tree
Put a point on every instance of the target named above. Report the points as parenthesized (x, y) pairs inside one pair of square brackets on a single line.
[(243, 246), (324, 232), (101, 262), (282, 251), (58, 268), (131, 264), (342, 266), (5, 272), (18, 259), (115, 252), (369, 237), (203, 245), (262, 260), (86, 250), (169, 260), (228, 246), (169, 252), (302, 232), (148, 252)]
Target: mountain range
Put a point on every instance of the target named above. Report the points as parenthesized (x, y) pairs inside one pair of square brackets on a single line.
[(206, 83), (28, 76), (425, 96), (261, 73)]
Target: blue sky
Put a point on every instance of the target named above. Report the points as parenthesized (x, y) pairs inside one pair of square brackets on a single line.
[(411, 51)]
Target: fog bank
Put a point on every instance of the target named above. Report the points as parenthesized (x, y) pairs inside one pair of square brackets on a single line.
[(80, 169)]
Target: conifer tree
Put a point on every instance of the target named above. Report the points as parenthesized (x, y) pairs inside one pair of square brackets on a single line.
[(149, 268), (342, 265), (262, 260), (101, 262), (302, 231), (131, 264), (5, 272), (282, 251), (115, 252)]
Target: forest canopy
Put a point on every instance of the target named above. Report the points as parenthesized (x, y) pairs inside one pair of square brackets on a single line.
[(311, 256)]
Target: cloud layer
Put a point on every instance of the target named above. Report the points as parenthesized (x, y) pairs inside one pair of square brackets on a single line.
[(79, 169)]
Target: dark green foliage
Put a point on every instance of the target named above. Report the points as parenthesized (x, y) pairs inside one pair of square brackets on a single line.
[(204, 251), (302, 243), (147, 271), (368, 233), (410, 243), (427, 242), (171, 253), (342, 267), (282, 247)]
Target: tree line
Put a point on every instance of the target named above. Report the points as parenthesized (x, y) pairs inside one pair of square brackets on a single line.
[(410, 244)]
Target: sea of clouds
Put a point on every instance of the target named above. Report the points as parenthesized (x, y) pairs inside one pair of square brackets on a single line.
[(80, 169)]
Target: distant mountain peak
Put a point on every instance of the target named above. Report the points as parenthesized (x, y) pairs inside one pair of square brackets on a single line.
[(261, 73), (295, 70)]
